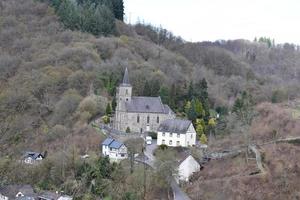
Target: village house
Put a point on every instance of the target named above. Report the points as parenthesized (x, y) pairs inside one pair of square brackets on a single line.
[(32, 157), (186, 167), (114, 149), (17, 192), (176, 132), (138, 114)]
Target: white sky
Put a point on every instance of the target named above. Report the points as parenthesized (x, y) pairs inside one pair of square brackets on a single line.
[(202, 20)]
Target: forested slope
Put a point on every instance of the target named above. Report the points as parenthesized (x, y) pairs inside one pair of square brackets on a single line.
[(48, 71)]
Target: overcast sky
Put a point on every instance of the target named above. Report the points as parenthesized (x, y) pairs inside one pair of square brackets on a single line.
[(202, 20)]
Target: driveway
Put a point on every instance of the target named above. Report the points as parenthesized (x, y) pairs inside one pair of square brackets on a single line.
[(177, 191), (150, 148)]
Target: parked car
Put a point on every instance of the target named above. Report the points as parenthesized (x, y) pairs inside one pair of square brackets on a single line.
[(148, 140)]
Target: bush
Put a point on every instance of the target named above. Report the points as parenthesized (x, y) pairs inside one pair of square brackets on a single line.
[(163, 147), (153, 135), (106, 119)]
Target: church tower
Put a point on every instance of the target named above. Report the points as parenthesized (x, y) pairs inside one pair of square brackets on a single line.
[(124, 91)]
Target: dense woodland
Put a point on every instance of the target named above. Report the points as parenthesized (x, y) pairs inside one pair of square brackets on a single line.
[(55, 54)]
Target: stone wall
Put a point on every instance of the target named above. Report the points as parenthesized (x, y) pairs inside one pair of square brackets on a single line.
[(131, 120)]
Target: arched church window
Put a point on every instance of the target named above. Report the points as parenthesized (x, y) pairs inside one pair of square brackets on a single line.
[(138, 119), (148, 119), (126, 91), (157, 119)]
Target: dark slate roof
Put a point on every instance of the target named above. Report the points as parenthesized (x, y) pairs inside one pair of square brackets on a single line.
[(175, 126), (168, 110), (33, 155), (107, 141), (115, 144), (146, 105), (112, 143), (11, 191), (126, 78)]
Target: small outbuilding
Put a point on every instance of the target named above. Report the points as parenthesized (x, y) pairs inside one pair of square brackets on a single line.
[(187, 166), (32, 157)]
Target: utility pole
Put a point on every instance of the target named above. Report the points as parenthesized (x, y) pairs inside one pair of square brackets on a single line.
[(145, 168)]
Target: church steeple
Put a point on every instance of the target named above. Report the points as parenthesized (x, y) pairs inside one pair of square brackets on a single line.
[(124, 91), (126, 78)]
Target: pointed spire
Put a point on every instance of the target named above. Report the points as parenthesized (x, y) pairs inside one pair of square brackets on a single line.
[(126, 78)]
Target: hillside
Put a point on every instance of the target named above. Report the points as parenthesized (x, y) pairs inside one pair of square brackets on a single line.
[(241, 178), (54, 81)]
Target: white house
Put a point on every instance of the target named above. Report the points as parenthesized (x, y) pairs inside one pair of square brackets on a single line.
[(32, 157), (176, 132), (114, 149), (186, 167)]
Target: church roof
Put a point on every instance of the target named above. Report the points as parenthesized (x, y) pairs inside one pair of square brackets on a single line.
[(175, 126), (126, 78), (147, 105)]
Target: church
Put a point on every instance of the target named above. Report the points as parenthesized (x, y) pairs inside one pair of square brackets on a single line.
[(137, 113)]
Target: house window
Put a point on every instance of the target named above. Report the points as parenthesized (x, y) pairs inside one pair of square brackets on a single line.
[(126, 99), (170, 142), (191, 136), (163, 134), (122, 155), (171, 134), (157, 119), (178, 135), (163, 141), (178, 143), (148, 119), (110, 149), (126, 91), (138, 119)]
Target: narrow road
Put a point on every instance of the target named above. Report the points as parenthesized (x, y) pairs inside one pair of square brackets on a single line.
[(177, 191)]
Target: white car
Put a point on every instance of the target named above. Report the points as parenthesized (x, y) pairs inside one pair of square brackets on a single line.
[(149, 140)]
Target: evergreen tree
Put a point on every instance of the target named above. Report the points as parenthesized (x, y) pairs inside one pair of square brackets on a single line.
[(187, 107), (198, 108), (118, 9), (192, 114), (202, 123), (55, 4), (155, 87), (203, 139), (69, 14), (104, 21), (191, 91), (199, 129), (164, 94), (202, 93), (172, 96), (244, 108), (114, 104), (147, 89), (108, 109)]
